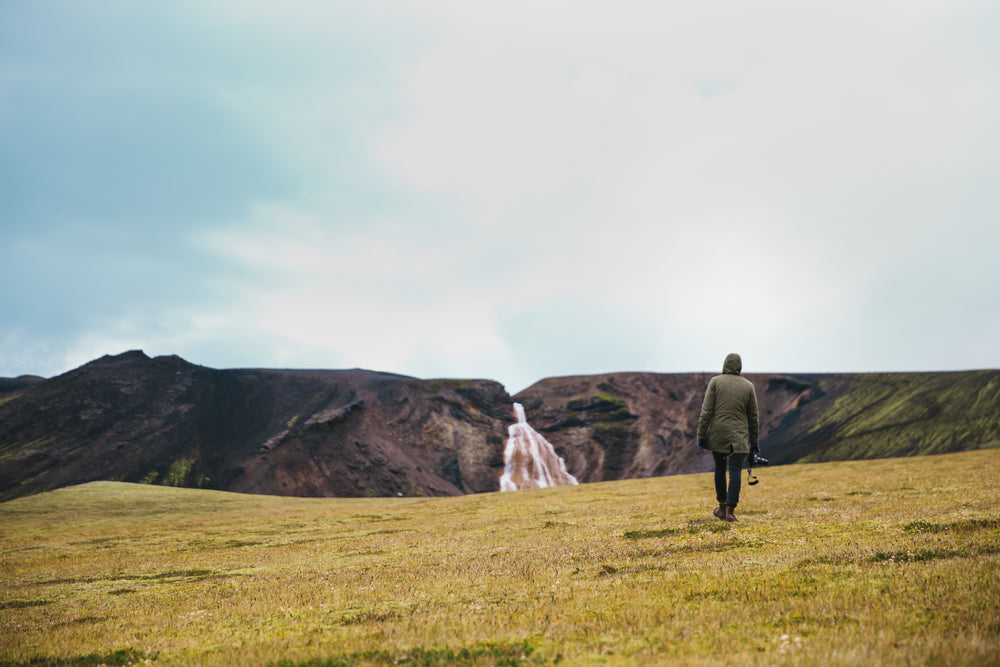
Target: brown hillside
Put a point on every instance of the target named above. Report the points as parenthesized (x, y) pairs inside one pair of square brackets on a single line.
[(326, 433), (356, 432)]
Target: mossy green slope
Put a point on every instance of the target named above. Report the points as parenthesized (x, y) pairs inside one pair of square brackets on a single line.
[(876, 562), (877, 415)]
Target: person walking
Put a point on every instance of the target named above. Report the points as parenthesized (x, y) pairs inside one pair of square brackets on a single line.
[(729, 427)]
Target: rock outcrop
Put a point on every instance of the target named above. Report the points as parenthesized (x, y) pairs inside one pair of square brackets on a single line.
[(625, 425), (308, 433)]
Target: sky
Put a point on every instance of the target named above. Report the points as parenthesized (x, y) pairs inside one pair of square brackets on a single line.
[(507, 190)]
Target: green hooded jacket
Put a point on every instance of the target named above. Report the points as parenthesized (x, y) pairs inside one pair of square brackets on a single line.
[(729, 421)]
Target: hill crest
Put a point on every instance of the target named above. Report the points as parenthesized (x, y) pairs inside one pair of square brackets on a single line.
[(357, 432)]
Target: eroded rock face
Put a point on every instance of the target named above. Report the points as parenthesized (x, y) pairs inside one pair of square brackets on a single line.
[(620, 425), (309, 433), (381, 435)]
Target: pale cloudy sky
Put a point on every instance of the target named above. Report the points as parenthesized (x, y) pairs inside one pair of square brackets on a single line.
[(509, 190)]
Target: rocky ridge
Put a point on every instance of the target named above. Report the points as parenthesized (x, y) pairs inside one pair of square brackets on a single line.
[(290, 432), (356, 432)]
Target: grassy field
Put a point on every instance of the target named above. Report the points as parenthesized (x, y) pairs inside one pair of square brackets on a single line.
[(887, 562)]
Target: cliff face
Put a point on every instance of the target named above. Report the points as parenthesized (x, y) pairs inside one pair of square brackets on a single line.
[(357, 432), (625, 425), (165, 421), (378, 434)]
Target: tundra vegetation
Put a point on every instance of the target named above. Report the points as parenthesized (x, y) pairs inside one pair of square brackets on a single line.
[(891, 562)]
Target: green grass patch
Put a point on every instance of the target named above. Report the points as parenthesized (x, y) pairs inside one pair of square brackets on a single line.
[(179, 472), (918, 555), (599, 402), (488, 654), (24, 604), (10, 396), (692, 529), (963, 526), (117, 658)]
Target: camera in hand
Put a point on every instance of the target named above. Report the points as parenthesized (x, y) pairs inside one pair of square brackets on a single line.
[(754, 459)]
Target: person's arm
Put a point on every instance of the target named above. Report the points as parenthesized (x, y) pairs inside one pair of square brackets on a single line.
[(707, 413), (753, 421)]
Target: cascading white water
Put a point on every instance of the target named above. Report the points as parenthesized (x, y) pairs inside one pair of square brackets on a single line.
[(529, 460)]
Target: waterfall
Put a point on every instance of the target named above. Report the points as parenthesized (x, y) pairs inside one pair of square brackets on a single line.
[(529, 461)]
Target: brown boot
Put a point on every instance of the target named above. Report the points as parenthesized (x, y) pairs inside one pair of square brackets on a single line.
[(720, 511), (729, 514)]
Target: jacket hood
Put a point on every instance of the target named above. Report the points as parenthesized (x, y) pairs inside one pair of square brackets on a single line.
[(733, 364)]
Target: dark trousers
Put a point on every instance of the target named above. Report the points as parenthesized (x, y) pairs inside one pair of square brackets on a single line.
[(734, 463)]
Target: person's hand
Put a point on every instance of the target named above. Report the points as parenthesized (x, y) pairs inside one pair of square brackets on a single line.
[(755, 449), (701, 444)]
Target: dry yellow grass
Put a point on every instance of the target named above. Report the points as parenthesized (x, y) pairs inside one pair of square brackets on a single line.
[(889, 562)]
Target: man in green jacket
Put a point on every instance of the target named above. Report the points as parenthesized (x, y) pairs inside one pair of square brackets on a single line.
[(729, 427)]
